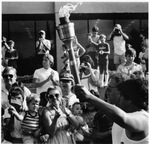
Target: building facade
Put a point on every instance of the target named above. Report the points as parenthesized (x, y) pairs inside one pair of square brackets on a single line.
[(21, 22)]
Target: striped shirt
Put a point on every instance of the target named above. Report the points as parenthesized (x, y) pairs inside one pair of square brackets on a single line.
[(30, 122)]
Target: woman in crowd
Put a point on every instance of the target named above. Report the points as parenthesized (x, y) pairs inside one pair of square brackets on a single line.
[(11, 55), (57, 119)]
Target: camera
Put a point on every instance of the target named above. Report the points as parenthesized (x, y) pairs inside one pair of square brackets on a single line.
[(117, 30)]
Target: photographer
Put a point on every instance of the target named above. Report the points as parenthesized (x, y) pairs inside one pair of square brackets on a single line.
[(119, 41)]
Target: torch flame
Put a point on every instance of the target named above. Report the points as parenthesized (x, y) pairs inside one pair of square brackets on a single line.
[(67, 9)]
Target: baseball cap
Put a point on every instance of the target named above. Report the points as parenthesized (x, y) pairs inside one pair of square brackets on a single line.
[(41, 32), (118, 26), (66, 76)]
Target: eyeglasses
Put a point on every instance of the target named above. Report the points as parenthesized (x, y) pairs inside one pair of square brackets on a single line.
[(8, 75), (52, 96)]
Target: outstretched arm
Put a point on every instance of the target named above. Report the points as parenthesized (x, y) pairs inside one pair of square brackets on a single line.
[(133, 122)]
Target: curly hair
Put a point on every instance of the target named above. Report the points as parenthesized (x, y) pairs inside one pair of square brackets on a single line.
[(135, 90), (118, 78)]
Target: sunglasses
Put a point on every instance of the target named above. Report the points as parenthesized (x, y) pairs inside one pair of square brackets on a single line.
[(8, 75), (52, 96)]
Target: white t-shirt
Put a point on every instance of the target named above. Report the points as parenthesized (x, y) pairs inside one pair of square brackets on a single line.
[(85, 81), (128, 70), (119, 136), (43, 74), (71, 99), (119, 45)]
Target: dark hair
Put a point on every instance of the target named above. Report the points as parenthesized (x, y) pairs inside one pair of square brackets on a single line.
[(15, 91), (95, 29), (131, 52), (11, 42), (7, 69), (119, 77), (135, 90), (76, 103), (87, 58)]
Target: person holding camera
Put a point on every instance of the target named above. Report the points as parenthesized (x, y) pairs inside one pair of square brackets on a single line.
[(43, 46), (119, 41)]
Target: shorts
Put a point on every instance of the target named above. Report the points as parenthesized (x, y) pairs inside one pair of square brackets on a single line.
[(119, 59)]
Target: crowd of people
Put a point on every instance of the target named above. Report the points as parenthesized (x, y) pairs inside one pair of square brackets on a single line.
[(105, 108)]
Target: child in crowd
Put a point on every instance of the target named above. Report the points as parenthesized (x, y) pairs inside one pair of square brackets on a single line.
[(82, 132), (12, 124), (90, 49), (86, 73), (30, 120), (103, 50)]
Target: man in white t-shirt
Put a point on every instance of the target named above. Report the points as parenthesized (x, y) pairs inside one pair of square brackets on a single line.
[(45, 77), (119, 41)]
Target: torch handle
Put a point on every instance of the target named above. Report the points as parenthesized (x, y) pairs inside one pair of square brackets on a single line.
[(73, 66)]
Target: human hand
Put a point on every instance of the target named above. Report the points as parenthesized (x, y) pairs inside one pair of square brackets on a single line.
[(12, 110), (44, 138), (82, 93), (51, 76), (89, 65), (58, 111)]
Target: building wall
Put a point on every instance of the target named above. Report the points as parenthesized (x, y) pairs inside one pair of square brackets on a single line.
[(27, 7), (85, 7)]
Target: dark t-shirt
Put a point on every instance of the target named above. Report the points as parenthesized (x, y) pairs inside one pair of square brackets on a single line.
[(11, 54), (102, 47)]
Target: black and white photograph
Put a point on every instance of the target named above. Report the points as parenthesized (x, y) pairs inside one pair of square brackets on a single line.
[(75, 72)]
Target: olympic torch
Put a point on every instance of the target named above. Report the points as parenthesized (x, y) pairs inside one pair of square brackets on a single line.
[(66, 33)]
